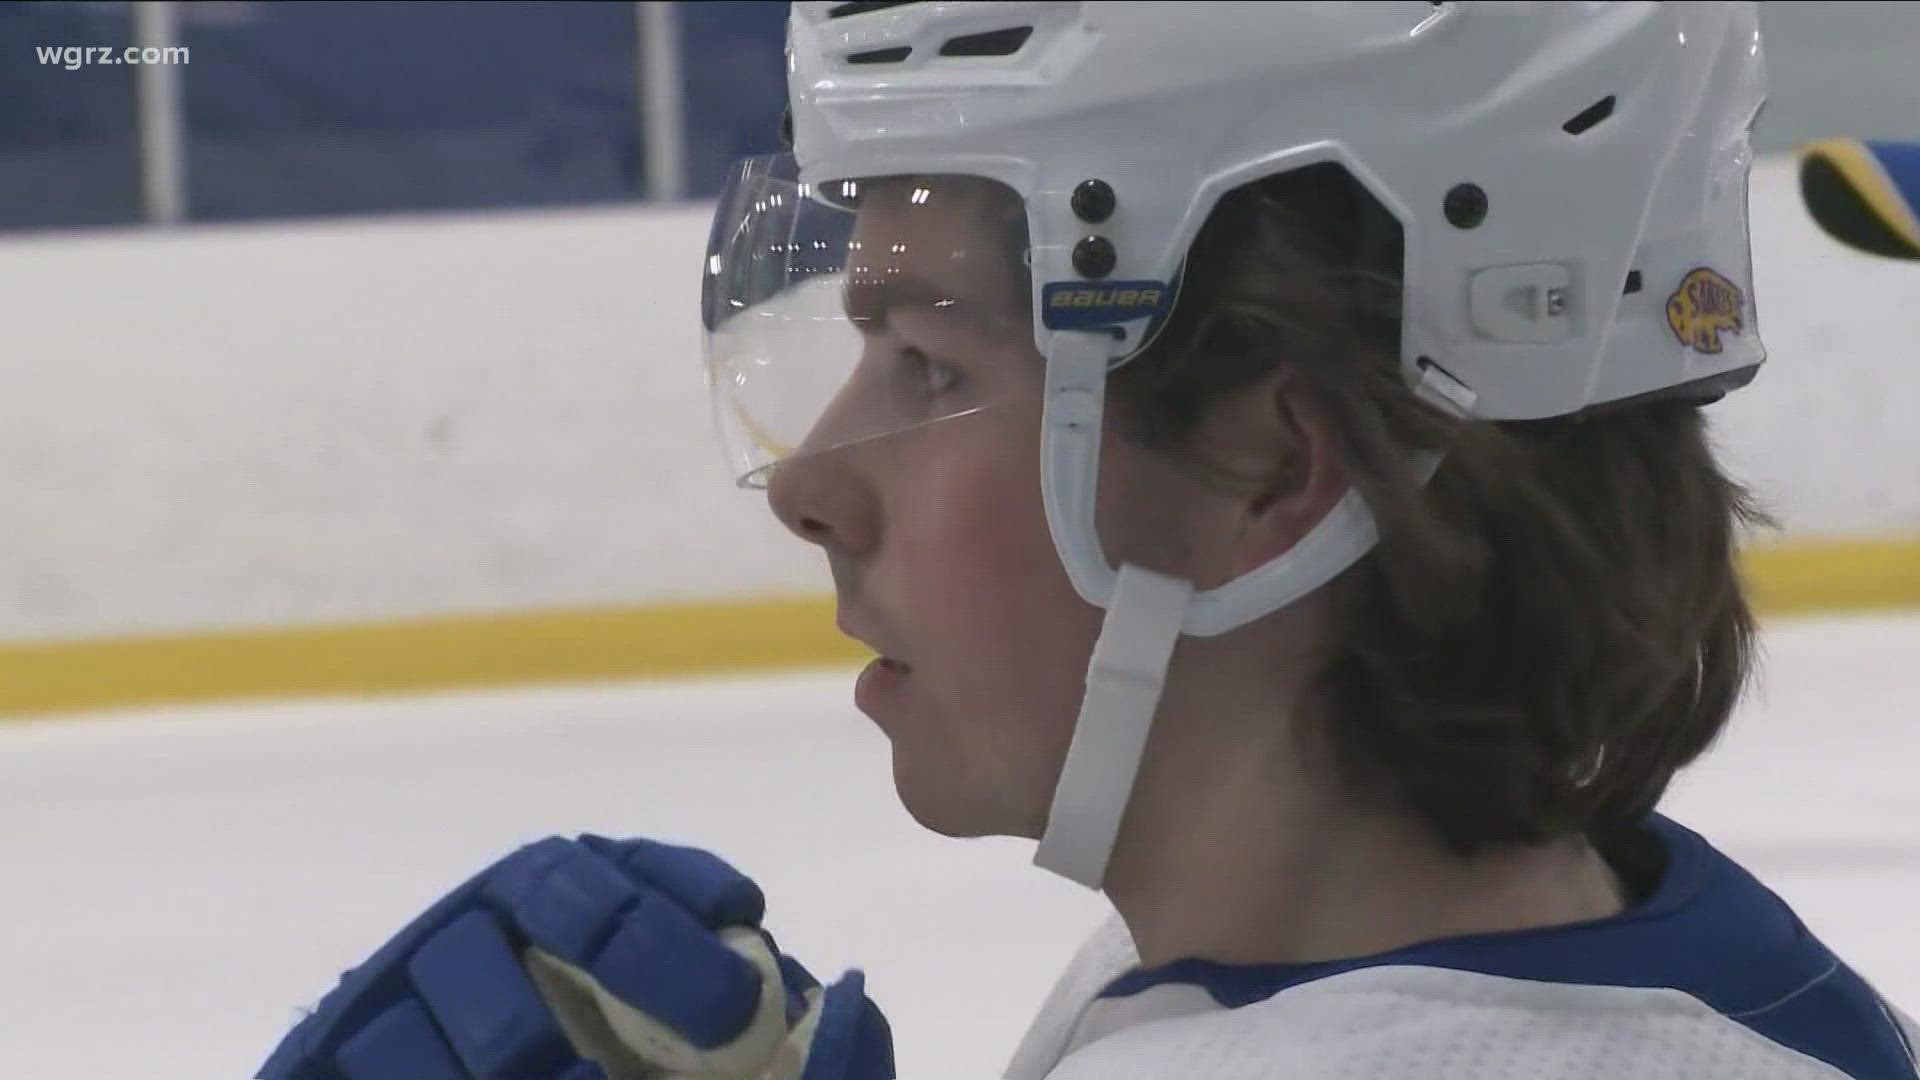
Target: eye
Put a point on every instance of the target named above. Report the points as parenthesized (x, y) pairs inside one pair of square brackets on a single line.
[(936, 376)]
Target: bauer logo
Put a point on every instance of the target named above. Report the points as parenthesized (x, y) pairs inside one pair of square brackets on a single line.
[(1705, 306), (1076, 305)]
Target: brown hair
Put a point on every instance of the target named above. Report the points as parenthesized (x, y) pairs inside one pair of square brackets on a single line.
[(1548, 629)]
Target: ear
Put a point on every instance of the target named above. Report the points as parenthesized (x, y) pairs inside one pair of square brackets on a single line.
[(1276, 444)]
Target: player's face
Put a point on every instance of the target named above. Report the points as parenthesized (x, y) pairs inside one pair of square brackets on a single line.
[(938, 542)]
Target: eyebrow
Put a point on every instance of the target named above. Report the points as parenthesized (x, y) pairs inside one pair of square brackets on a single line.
[(867, 302)]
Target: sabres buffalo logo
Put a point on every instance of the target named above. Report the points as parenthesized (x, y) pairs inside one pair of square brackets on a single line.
[(1704, 306)]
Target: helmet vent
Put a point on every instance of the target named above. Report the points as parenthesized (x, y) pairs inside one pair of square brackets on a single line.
[(992, 43), (1589, 117), (881, 56), (843, 10)]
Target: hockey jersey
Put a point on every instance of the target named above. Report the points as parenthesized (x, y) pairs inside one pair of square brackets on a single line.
[(1708, 976)]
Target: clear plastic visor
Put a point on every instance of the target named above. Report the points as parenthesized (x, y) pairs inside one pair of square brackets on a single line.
[(860, 309)]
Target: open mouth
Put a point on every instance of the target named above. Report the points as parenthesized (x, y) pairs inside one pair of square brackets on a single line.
[(895, 666)]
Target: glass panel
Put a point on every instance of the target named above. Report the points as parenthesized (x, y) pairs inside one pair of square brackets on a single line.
[(733, 66), (297, 108), (69, 152)]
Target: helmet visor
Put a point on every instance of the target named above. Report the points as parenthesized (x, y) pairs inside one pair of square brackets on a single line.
[(841, 313)]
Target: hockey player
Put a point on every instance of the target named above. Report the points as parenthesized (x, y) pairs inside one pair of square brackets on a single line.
[(1264, 443)]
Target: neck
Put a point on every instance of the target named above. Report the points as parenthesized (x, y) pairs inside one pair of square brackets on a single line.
[(1264, 861)]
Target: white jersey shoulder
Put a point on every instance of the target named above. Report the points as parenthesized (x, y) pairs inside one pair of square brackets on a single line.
[(1402, 1023), (1104, 956), (1617, 997)]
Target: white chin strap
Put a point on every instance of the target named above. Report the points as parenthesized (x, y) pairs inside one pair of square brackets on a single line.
[(1146, 612), (1124, 680)]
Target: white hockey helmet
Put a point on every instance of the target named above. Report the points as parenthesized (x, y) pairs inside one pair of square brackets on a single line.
[(1570, 178)]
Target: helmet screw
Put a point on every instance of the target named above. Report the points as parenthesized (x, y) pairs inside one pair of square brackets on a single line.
[(1094, 257), (1093, 201), (1465, 205)]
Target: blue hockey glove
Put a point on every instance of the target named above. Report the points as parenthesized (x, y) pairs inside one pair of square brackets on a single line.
[(590, 959)]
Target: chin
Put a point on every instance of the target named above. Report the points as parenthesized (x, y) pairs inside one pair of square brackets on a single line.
[(941, 801), (935, 810)]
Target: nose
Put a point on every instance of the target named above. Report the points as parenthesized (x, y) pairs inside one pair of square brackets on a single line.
[(821, 499)]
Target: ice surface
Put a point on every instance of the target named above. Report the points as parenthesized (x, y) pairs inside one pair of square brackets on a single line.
[(181, 882)]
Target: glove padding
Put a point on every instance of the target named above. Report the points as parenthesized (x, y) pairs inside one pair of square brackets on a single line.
[(590, 960)]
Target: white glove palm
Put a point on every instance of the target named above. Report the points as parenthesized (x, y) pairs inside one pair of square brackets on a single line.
[(632, 1045)]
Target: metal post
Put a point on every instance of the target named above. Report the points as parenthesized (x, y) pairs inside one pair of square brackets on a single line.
[(162, 127), (661, 126)]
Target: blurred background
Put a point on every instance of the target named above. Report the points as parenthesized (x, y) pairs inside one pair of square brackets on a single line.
[(305, 109), (376, 321), (358, 503), (296, 109)]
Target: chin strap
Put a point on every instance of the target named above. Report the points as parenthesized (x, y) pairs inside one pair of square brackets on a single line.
[(1146, 612), (1124, 681)]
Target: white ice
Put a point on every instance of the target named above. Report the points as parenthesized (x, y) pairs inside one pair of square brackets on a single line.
[(180, 882)]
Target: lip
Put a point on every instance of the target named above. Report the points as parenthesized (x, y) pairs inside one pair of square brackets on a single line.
[(878, 682), (852, 629)]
